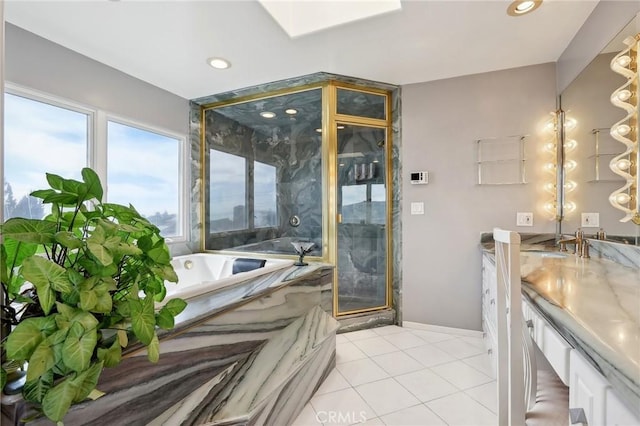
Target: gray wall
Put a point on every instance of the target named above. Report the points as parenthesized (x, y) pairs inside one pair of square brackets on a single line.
[(440, 122), (603, 24), (39, 64)]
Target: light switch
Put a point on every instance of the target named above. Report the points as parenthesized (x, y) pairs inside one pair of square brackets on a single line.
[(524, 219), (417, 208)]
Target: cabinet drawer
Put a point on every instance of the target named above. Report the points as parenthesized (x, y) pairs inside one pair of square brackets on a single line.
[(587, 390), (557, 352)]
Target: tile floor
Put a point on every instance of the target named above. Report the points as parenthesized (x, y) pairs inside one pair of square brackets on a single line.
[(404, 376)]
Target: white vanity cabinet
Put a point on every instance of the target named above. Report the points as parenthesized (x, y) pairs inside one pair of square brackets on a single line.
[(588, 389)]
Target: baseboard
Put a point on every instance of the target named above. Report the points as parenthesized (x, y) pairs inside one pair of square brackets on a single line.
[(441, 329)]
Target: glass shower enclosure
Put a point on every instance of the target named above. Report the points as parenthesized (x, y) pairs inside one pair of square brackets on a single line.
[(306, 165)]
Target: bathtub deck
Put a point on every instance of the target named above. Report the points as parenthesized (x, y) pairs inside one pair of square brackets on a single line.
[(255, 359)]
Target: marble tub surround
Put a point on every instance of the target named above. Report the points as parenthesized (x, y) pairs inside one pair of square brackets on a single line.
[(247, 354)]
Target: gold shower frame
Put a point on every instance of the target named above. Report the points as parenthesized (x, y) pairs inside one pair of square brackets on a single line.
[(330, 120)]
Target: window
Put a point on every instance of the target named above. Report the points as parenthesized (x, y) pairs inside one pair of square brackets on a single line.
[(265, 206), (40, 137), (143, 168), (228, 201)]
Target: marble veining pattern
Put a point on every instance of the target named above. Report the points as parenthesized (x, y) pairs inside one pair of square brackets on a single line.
[(239, 356), (595, 305)]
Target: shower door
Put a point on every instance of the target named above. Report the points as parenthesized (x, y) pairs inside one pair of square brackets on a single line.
[(362, 219)]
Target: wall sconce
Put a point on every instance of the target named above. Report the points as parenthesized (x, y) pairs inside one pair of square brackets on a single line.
[(627, 164), (558, 184)]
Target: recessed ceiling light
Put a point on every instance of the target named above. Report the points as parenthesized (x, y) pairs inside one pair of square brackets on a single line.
[(521, 7), (219, 63), (319, 130), (291, 111), (340, 127), (268, 114)]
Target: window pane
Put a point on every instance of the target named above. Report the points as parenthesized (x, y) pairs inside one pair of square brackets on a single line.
[(39, 138), (144, 170), (228, 191), (265, 210), (354, 203)]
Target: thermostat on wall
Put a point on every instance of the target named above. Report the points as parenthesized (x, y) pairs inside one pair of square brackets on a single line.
[(419, 178)]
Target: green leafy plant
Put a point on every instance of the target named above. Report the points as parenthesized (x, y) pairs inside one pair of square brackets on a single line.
[(76, 285)]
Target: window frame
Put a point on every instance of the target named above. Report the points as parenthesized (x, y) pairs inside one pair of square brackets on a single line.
[(97, 145)]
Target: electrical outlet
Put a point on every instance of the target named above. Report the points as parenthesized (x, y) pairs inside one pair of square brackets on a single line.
[(590, 220), (524, 219)]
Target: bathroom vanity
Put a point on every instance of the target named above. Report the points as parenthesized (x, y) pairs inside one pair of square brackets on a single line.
[(584, 315), (249, 353)]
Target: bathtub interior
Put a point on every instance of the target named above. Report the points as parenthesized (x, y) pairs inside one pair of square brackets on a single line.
[(203, 272)]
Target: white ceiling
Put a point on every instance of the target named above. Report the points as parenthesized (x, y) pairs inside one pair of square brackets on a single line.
[(166, 43)]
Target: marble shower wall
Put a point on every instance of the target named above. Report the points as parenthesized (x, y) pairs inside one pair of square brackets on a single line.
[(291, 144)]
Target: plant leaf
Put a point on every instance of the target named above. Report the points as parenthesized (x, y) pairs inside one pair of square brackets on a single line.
[(68, 239), (57, 401), (55, 181), (153, 350), (95, 394), (78, 347), (143, 320), (86, 382), (164, 319), (160, 254), (88, 300), (175, 306), (29, 230), (92, 182), (41, 361), (36, 390), (111, 356), (123, 339), (46, 276), (24, 339)]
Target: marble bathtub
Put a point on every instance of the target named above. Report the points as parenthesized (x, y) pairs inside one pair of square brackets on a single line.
[(251, 353)]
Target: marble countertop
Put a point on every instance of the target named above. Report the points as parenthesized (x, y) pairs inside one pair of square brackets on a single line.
[(595, 305)]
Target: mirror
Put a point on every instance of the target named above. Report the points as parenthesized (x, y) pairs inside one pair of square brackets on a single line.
[(588, 109)]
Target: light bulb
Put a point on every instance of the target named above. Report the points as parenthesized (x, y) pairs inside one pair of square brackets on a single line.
[(550, 207), (569, 186), (570, 165), (623, 61), (550, 166), (623, 95), (549, 187), (623, 129), (623, 164), (569, 206), (570, 123), (550, 146), (570, 145), (622, 198)]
